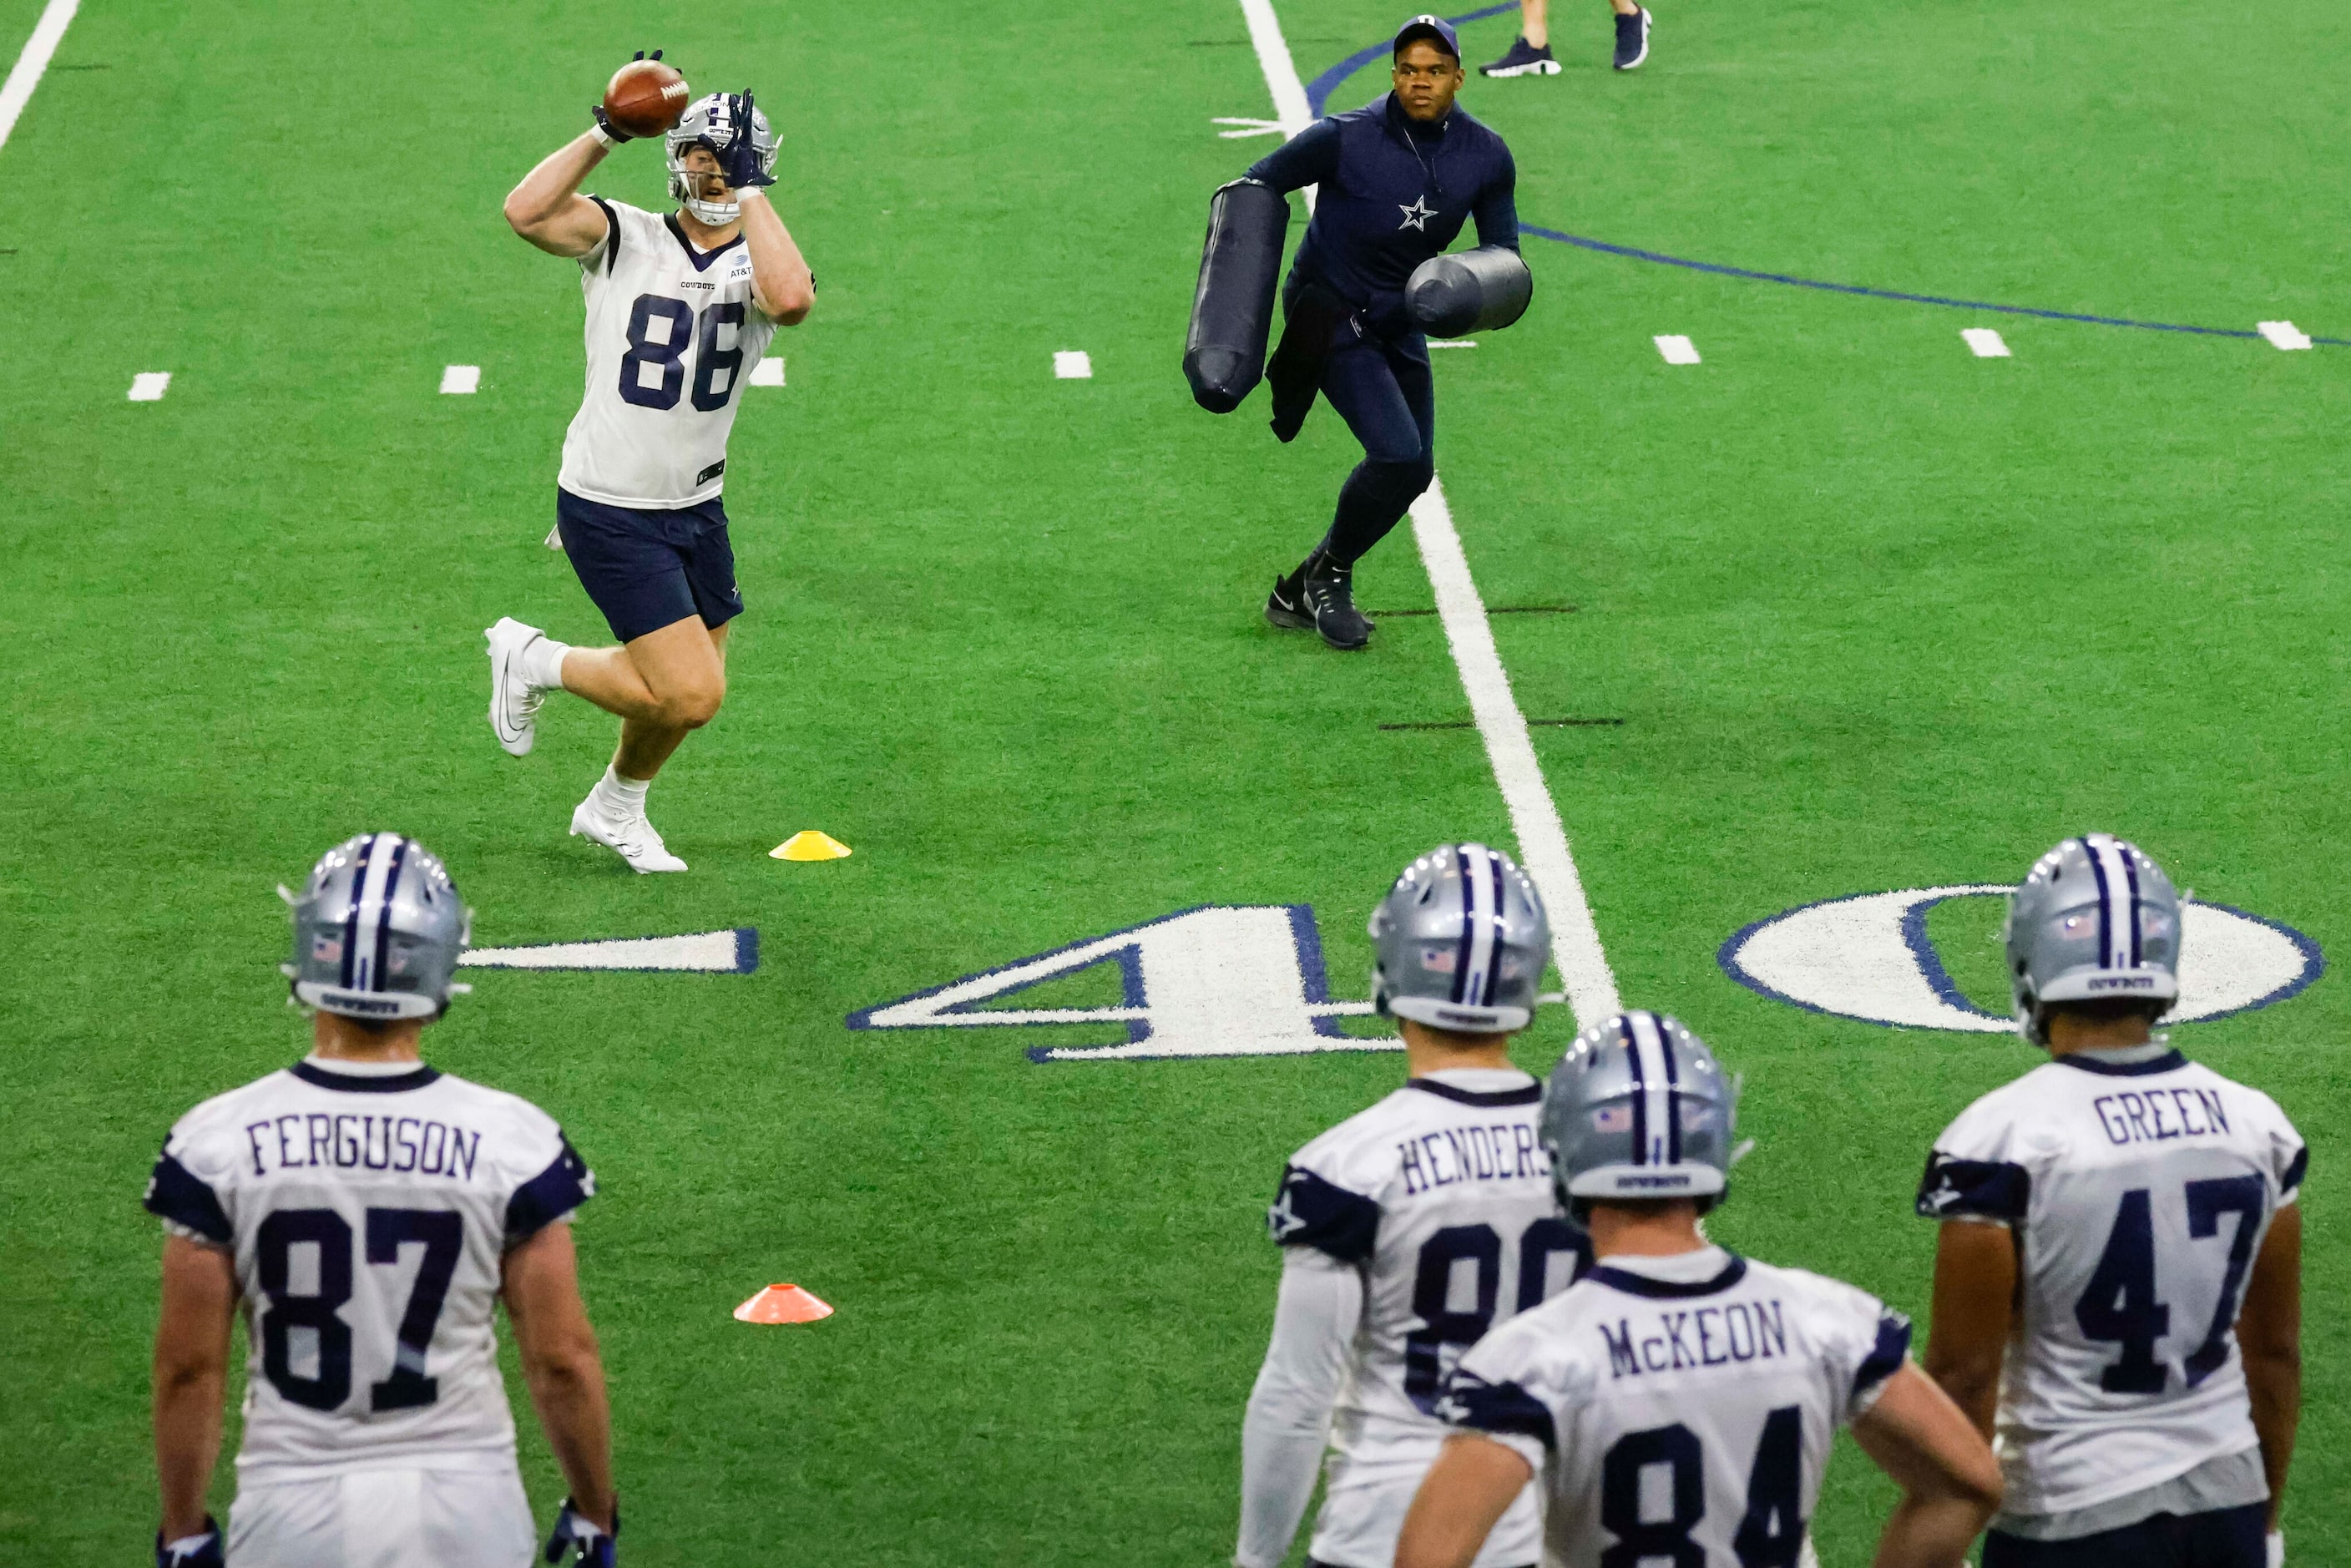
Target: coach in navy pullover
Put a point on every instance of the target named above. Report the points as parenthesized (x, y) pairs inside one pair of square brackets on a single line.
[(1394, 191)]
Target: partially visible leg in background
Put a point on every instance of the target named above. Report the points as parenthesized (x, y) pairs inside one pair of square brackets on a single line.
[(1529, 53)]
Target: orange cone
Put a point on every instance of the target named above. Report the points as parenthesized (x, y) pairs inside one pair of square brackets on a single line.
[(782, 1304)]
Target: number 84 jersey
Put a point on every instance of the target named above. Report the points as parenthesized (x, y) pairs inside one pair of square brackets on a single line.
[(370, 1214), (672, 334)]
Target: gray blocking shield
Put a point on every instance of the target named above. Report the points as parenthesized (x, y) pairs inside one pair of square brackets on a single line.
[(1460, 943), (1480, 290), (2095, 918), (1638, 1108), (377, 931)]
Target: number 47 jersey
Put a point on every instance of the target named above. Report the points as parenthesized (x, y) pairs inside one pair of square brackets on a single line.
[(672, 334), (2138, 1193), (370, 1214)]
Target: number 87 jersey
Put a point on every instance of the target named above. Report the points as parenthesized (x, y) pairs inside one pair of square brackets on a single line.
[(672, 334), (2138, 1192), (370, 1214)]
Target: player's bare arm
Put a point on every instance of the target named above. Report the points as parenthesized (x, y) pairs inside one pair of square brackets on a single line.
[(191, 1378), (1950, 1481), (548, 209), (1467, 1491), (1975, 1292), (563, 1367), (2269, 1337), (780, 280)]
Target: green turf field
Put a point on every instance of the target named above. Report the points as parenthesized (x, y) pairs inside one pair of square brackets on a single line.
[(1875, 614)]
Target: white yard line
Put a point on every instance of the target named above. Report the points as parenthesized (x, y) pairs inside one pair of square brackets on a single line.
[(460, 380), (1677, 349), (2285, 335), (1985, 344), (47, 33), (1535, 817), (1072, 365)]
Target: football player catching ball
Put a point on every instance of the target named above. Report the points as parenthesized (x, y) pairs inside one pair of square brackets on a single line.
[(679, 306)]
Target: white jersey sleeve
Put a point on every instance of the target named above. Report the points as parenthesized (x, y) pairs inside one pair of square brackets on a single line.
[(2139, 1194), (671, 336), (369, 1217), (1680, 1420), (1440, 1196)]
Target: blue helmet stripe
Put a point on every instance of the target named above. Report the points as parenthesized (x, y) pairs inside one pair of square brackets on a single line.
[(383, 915), (1468, 926), (352, 915), (1673, 1096), (1640, 1090), (2130, 874), (2106, 902), (1494, 954)]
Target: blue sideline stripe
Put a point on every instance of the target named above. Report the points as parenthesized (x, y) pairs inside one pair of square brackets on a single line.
[(1318, 95)]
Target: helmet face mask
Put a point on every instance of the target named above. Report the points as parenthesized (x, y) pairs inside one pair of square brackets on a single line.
[(2095, 921), (378, 928), (1636, 1111), (1460, 943), (708, 123)]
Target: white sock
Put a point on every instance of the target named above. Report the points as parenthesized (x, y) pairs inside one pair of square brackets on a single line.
[(542, 663), (625, 796)]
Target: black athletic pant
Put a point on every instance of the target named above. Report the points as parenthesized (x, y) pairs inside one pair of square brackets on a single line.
[(2225, 1537), (1385, 393)]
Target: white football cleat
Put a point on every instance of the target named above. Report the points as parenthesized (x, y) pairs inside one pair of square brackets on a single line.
[(514, 702), (632, 837)]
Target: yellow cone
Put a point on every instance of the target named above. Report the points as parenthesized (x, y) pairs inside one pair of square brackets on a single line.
[(809, 845)]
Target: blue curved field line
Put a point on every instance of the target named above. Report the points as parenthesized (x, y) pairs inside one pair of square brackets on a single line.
[(1318, 95)]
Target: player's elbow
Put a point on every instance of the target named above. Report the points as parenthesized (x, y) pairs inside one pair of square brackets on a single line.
[(523, 214)]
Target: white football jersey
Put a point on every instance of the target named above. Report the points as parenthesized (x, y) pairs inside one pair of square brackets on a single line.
[(368, 1214), (1680, 1410), (2140, 1193), (1442, 1196), (672, 334)]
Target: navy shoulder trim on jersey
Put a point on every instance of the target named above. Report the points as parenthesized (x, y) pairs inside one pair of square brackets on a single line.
[(1529, 1096), (611, 232), (1885, 1358), (550, 1195), (354, 1083), (1634, 1284), (174, 1193), (1471, 1402), (1988, 1189), (2295, 1172), (701, 258), (1312, 1212), (2169, 1061)]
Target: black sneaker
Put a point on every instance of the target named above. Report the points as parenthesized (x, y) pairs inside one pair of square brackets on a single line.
[(1286, 605), (1523, 60), (1632, 39), (1329, 593)]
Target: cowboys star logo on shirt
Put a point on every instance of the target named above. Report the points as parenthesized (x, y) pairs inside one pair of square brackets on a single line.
[(1282, 1219), (1417, 216)]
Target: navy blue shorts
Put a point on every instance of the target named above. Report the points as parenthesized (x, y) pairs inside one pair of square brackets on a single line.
[(652, 567), (2224, 1538)]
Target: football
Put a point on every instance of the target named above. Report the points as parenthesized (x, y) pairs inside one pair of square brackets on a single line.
[(645, 98)]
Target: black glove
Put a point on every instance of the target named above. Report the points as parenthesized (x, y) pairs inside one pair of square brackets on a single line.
[(578, 1539), (205, 1554), (605, 121), (740, 163)]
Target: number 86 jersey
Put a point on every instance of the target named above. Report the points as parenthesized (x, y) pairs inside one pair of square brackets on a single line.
[(369, 1213), (672, 334)]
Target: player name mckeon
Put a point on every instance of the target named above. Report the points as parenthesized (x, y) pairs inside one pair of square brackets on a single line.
[(360, 1141), (1727, 1336), (1502, 1152)]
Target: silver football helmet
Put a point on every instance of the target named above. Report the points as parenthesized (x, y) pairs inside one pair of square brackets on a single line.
[(377, 931), (709, 121), (1459, 942), (2095, 918), (1638, 1108)]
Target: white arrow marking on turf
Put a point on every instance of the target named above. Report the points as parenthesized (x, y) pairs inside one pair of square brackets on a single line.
[(734, 952), (1534, 817)]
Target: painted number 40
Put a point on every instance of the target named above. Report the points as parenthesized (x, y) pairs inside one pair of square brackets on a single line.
[(1219, 980)]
